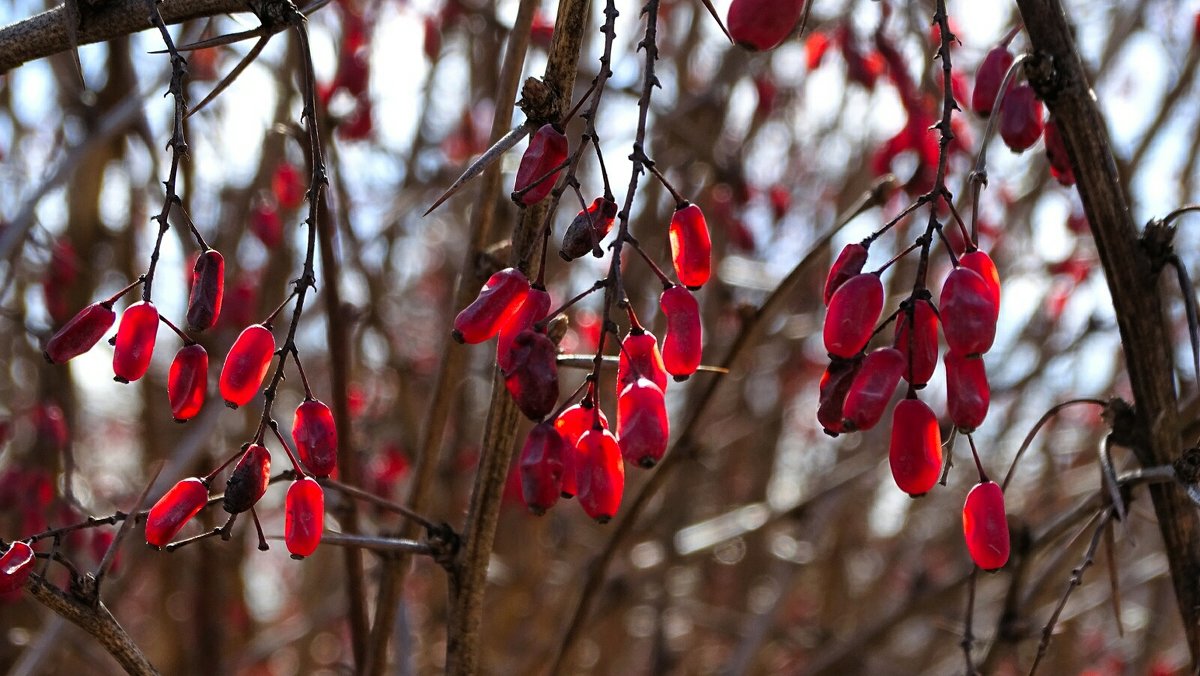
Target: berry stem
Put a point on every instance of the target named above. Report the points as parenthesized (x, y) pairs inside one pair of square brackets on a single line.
[(680, 202), (111, 300), (600, 284), (983, 477), (182, 336), (287, 449)]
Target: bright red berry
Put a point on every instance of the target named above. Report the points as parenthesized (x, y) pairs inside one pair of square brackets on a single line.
[(542, 467), (15, 567), (543, 158), (640, 358), (872, 388), (1056, 153), (853, 311), (917, 340), (316, 437), (691, 246), (969, 312), (916, 447), (835, 385), (762, 24), (643, 428), (571, 425), (982, 264), (187, 382), (985, 526), (288, 186), (532, 379), (682, 343), (988, 79), (496, 303), (208, 290), (248, 481), (304, 517), (135, 341), (601, 474), (1020, 118), (174, 509), (587, 229), (533, 310), (967, 391), (80, 334), (848, 264), (246, 365)]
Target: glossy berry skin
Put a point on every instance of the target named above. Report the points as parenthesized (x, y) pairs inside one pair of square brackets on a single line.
[(982, 264), (1056, 153), (967, 391), (533, 310), (683, 340), (533, 379), (640, 358), (15, 567), (985, 526), (872, 388), (853, 312), (762, 24), (135, 341), (643, 428), (187, 382), (316, 437), (80, 334), (571, 425), (916, 447), (1020, 118), (691, 246), (173, 510), (547, 150), (835, 385), (849, 263), (587, 229), (917, 340), (601, 475), (208, 290), (248, 481), (542, 467), (496, 303), (304, 517), (968, 312), (246, 365), (988, 79)]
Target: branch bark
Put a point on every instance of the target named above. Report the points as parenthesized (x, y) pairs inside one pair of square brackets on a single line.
[(96, 621), (1057, 74)]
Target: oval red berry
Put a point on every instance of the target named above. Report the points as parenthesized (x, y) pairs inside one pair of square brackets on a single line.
[(682, 343), (246, 365), (499, 298), (853, 312), (304, 517), (915, 454), (174, 509), (135, 341), (985, 526), (187, 382), (80, 334), (691, 246), (315, 434)]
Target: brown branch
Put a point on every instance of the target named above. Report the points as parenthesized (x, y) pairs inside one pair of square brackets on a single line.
[(96, 621)]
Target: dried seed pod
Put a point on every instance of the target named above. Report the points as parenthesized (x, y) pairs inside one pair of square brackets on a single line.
[(683, 341), (246, 365), (304, 517), (969, 312), (967, 391), (988, 79), (872, 388), (985, 526), (853, 312), (643, 428), (135, 341), (533, 379), (640, 358), (174, 509), (315, 434), (691, 246), (496, 303), (80, 334), (849, 263), (187, 382), (542, 467), (915, 454), (534, 309), (248, 481), (587, 229), (762, 24), (208, 290), (15, 567), (547, 150), (601, 477)]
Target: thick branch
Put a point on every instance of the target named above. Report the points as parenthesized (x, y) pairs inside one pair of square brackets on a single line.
[(96, 621)]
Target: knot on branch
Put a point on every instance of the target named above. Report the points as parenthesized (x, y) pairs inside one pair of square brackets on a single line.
[(1157, 241), (1122, 419), (444, 544), (1047, 81), (540, 102)]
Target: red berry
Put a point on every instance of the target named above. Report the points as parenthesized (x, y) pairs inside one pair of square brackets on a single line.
[(542, 467), (246, 365), (546, 152), (982, 264), (187, 382), (571, 425), (1056, 152), (967, 392), (1020, 118), (691, 246), (969, 312), (353, 69), (533, 310), (643, 429), (587, 229), (601, 475), (835, 385), (208, 289), (304, 517), (15, 567), (135, 341), (814, 49), (985, 526), (916, 447), (921, 353), (316, 437), (248, 480), (640, 358), (762, 24), (988, 79), (84, 330), (533, 379), (496, 303), (682, 342), (848, 264), (266, 224), (872, 389), (174, 509), (288, 186), (853, 311)]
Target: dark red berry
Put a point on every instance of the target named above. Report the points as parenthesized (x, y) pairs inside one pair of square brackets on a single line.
[(533, 310), (985, 526), (921, 352), (968, 312), (1056, 153), (587, 229), (304, 517), (691, 246), (496, 303), (853, 311), (546, 152), (187, 382), (967, 391), (571, 425), (208, 290), (135, 341), (1020, 118), (266, 224), (533, 378), (174, 509), (316, 437), (872, 388), (246, 365), (848, 264), (915, 454), (835, 385), (640, 358), (288, 186), (683, 341), (643, 429), (248, 481), (601, 475), (80, 334), (15, 567), (762, 24), (542, 467), (988, 79)]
